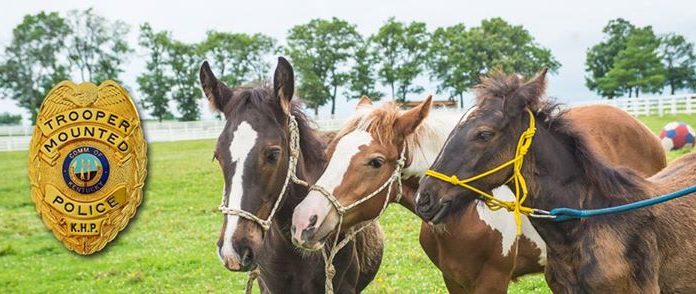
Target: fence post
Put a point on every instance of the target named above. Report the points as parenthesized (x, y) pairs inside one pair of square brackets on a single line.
[(688, 104), (660, 106)]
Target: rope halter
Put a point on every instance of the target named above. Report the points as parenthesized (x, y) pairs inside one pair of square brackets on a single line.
[(341, 209), (494, 203), (294, 132)]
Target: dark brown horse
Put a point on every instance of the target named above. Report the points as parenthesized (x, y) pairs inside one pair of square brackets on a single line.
[(474, 251), (649, 250), (254, 152)]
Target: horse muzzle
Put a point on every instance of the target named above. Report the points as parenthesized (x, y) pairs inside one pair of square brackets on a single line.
[(312, 221), (432, 209)]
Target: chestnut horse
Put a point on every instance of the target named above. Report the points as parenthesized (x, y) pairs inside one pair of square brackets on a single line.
[(473, 251), (649, 250), (256, 153)]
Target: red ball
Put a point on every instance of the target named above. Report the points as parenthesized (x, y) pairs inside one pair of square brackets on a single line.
[(677, 135)]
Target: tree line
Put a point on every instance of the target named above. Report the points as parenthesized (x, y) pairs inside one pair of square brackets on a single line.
[(331, 59), (633, 60)]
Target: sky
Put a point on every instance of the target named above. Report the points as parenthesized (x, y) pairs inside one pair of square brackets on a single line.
[(567, 28)]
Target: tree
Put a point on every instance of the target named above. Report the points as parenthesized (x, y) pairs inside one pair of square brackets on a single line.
[(312, 90), (97, 47), (362, 78), (600, 57), (637, 67), (244, 54), (402, 49), (321, 51), (154, 84), (679, 61), (7, 118), (449, 62), (498, 44), (32, 63), (184, 61), (458, 57)]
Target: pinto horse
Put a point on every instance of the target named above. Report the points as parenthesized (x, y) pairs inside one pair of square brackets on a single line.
[(474, 250), (649, 250), (255, 151)]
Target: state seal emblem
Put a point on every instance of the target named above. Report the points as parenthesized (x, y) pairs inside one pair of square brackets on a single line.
[(87, 163)]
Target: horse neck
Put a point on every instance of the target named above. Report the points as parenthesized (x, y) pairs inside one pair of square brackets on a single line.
[(565, 173), (425, 144)]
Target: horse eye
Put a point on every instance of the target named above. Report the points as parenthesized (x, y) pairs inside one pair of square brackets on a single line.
[(485, 135), (375, 163), (272, 155)]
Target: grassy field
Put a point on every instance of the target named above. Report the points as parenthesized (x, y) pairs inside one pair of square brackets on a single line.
[(170, 245)]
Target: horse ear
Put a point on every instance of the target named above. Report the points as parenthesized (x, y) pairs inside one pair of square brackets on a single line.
[(412, 118), (528, 94), (213, 88), (284, 84), (364, 101)]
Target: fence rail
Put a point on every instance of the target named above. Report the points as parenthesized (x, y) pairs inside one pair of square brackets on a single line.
[(18, 137), (677, 104)]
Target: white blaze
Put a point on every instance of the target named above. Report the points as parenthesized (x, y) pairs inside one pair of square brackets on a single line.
[(243, 140), (347, 147)]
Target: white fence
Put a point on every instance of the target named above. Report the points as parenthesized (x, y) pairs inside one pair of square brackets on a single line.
[(18, 137), (677, 104)]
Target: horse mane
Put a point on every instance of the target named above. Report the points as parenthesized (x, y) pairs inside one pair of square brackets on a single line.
[(379, 122), (502, 85), (613, 183), (260, 95)]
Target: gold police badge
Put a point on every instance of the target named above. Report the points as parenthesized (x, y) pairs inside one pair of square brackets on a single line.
[(87, 163)]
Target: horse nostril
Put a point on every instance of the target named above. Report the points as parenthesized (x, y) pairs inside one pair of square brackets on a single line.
[(424, 200), (308, 233), (247, 257), (312, 220)]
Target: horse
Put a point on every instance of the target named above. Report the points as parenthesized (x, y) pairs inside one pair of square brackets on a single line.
[(473, 251), (266, 142), (649, 250)]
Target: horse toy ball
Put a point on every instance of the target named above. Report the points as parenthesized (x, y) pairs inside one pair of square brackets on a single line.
[(677, 135)]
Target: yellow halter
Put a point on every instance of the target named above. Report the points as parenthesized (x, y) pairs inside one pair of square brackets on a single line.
[(491, 201)]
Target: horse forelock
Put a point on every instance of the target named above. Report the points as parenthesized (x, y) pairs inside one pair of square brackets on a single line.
[(379, 123)]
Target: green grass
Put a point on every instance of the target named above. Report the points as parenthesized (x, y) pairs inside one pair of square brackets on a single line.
[(170, 245)]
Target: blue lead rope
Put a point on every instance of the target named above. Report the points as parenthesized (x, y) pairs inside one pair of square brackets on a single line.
[(564, 214)]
